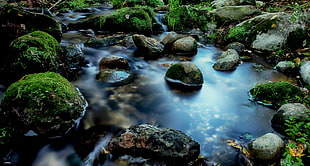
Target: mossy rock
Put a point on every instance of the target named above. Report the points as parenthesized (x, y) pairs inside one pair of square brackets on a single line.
[(127, 20), (186, 17), (269, 32), (46, 103), (276, 93), (16, 21), (33, 53), (184, 76)]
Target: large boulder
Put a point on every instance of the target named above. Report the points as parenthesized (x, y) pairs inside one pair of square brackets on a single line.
[(276, 93), (15, 22), (269, 32), (45, 103), (285, 112), (234, 13), (229, 60), (184, 76), (165, 145), (220, 3), (305, 72), (33, 53), (148, 47), (267, 147)]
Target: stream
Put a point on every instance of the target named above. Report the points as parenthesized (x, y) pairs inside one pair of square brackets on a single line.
[(219, 111)]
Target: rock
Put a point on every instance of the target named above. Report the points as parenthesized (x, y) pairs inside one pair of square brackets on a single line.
[(305, 72), (74, 56), (184, 76), (220, 3), (113, 62), (284, 113), (276, 93), (286, 67), (158, 144), (16, 22), (46, 103), (147, 47), (239, 2), (115, 77), (229, 60), (127, 20), (269, 32), (267, 147), (185, 46), (97, 42), (170, 37), (234, 13), (239, 47), (33, 53)]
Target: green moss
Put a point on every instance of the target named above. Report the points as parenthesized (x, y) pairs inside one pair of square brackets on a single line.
[(181, 18), (246, 33), (127, 20), (34, 52), (42, 101), (277, 93)]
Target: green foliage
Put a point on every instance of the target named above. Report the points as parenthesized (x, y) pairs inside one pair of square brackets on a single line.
[(236, 32), (299, 134), (117, 4), (181, 18)]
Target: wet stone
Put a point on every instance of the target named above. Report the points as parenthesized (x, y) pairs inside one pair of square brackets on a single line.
[(158, 144), (115, 77)]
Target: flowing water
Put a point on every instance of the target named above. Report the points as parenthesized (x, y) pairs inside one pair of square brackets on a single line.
[(219, 111)]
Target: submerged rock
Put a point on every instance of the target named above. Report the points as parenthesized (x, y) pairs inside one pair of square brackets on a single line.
[(267, 147), (229, 60), (158, 144), (46, 103), (184, 76), (297, 110), (115, 77), (113, 62)]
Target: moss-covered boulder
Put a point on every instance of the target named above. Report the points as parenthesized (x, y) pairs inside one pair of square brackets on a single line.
[(46, 103), (132, 3), (277, 93), (184, 76), (33, 53), (15, 22), (269, 32)]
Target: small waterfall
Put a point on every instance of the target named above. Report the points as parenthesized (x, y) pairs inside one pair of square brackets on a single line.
[(160, 20)]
